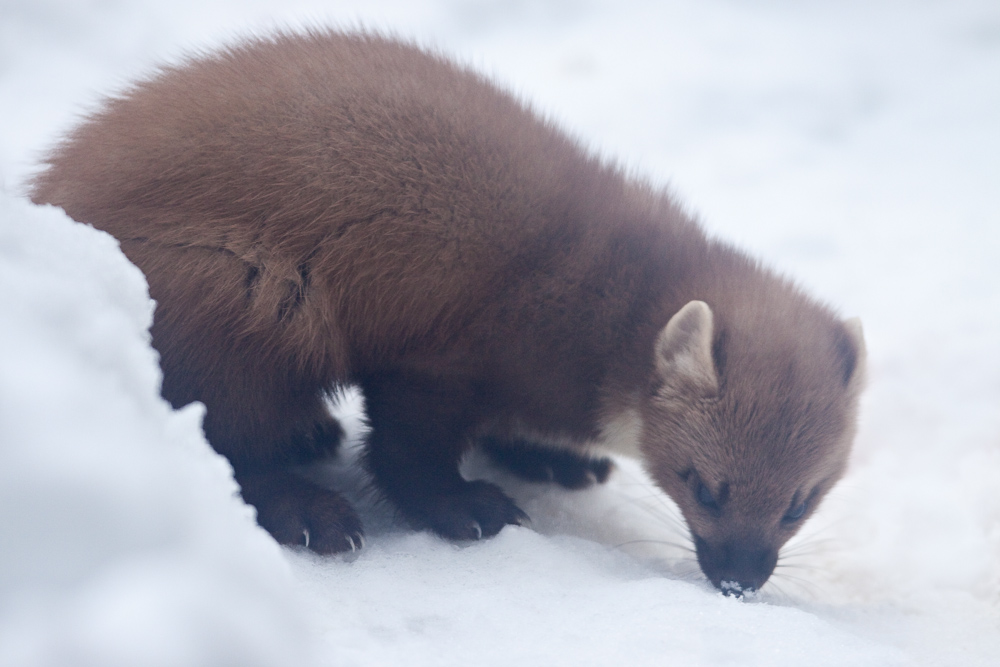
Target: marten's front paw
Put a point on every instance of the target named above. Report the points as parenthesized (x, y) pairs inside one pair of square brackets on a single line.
[(475, 510), (297, 512)]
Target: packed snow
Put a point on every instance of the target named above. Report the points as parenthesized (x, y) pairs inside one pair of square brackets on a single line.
[(852, 145)]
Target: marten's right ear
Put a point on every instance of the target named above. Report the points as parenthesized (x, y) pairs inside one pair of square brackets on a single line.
[(684, 350)]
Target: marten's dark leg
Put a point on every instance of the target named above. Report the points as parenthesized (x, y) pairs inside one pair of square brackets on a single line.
[(291, 508), (419, 430), (220, 345), (537, 463)]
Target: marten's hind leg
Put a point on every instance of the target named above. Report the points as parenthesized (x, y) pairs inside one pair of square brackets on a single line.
[(292, 509), (537, 463), (264, 412)]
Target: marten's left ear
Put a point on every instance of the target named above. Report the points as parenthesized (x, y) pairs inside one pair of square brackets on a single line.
[(852, 353), (684, 350)]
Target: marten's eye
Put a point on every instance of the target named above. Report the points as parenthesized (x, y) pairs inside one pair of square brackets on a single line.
[(795, 512), (705, 497)]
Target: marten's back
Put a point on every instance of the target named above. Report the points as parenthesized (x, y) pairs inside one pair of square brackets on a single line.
[(414, 188)]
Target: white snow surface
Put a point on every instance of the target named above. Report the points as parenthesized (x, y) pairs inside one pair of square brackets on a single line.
[(853, 145)]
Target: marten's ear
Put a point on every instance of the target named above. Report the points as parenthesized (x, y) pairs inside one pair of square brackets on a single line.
[(684, 350), (852, 355)]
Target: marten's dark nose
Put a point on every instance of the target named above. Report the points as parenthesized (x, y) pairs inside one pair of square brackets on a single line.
[(736, 566)]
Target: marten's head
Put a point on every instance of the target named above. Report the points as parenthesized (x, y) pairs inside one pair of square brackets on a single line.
[(747, 425)]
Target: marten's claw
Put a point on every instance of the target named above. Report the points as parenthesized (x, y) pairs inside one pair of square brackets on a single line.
[(296, 512)]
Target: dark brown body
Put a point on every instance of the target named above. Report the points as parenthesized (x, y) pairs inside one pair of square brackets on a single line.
[(327, 210)]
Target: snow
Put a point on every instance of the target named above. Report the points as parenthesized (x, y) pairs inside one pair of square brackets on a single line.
[(123, 541), (852, 145)]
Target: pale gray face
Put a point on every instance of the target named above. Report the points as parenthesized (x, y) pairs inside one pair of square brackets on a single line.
[(748, 456)]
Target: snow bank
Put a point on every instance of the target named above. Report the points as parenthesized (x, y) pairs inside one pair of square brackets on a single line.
[(122, 540), (526, 598)]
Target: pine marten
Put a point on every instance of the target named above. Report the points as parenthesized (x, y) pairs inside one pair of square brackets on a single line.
[(321, 210)]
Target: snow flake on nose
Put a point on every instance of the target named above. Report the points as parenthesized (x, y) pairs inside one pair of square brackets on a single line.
[(736, 590)]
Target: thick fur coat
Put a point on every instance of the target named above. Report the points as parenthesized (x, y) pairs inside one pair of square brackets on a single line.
[(321, 210)]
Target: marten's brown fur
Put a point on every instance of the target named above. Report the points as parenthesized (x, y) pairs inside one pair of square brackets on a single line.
[(321, 210)]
